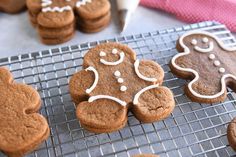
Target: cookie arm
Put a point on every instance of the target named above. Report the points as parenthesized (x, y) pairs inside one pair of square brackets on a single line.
[(80, 83), (149, 71), (5, 75)]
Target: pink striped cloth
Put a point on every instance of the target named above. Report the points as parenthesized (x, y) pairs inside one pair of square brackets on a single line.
[(223, 11)]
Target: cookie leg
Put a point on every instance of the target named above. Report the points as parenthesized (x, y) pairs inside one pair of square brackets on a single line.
[(102, 115), (154, 105)]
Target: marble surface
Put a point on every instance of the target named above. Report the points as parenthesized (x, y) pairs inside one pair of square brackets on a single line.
[(19, 37)]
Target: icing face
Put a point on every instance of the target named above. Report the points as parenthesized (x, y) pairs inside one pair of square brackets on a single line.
[(208, 48), (122, 56)]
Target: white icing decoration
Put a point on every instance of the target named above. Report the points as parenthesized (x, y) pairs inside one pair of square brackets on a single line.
[(57, 9), (117, 73), (136, 97), (205, 50), (93, 98), (122, 56), (46, 3), (212, 56), (194, 42), (82, 2), (205, 40), (123, 88), (187, 51), (114, 51), (222, 70), (68, 0), (89, 90), (217, 63), (136, 65), (102, 54), (120, 80)]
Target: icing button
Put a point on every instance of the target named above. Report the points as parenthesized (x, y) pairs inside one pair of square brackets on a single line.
[(114, 51), (123, 88), (117, 73), (212, 56), (120, 80), (102, 54), (217, 63), (222, 70), (194, 42)]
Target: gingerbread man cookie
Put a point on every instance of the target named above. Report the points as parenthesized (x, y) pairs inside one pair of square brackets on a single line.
[(57, 20), (208, 63), (112, 82), (21, 128)]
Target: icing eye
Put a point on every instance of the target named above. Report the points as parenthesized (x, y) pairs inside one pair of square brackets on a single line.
[(194, 42), (114, 51), (102, 54), (205, 40)]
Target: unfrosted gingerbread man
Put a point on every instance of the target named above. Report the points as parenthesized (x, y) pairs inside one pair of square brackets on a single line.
[(114, 81), (22, 129), (208, 63)]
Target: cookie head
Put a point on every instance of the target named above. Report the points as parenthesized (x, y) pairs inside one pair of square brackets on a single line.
[(198, 42), (114, 81), (21, 128)]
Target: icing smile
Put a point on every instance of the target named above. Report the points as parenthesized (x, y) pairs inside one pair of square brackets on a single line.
[(209, 49)]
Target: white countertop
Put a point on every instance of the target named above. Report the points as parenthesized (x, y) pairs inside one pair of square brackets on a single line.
[(18, 36)]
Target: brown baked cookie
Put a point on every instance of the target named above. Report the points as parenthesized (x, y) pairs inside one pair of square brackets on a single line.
[(208, 63), (146, 155), (21, 128), (114, 81), (61, 15), (12, 6), (231, 133)]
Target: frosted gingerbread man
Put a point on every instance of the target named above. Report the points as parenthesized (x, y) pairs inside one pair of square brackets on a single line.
[(114, 81), (208, 63)]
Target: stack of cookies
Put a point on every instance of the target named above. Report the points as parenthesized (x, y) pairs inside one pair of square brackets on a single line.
[(56, 20), (93, 17)]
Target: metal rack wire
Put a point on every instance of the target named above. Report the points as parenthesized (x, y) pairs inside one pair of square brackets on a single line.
[(193, 129)]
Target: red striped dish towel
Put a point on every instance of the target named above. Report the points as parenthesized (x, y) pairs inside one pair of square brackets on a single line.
[(223, 11)]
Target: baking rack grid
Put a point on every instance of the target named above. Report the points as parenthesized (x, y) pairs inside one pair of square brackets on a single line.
[(193, 129)]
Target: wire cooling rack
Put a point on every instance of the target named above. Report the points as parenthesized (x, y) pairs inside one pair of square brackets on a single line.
[(193, 129)]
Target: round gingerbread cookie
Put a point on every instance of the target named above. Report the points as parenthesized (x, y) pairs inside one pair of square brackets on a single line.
[(114, 81)]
